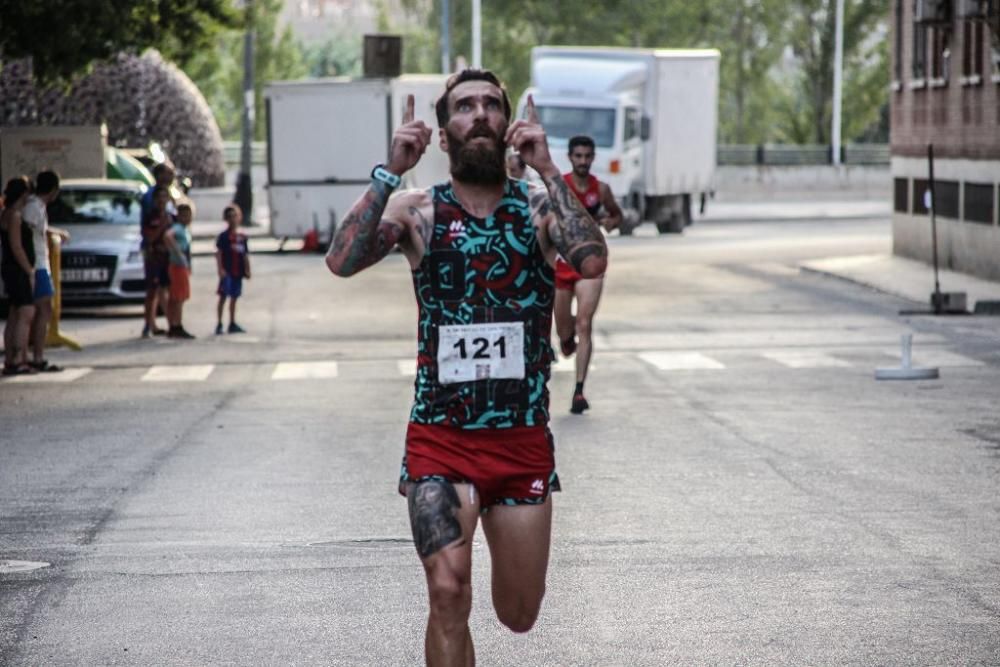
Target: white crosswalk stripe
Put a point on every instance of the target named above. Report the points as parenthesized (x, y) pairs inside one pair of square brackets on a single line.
[(309, 370), (805, 359), (680, 361), (198, 373), (665, 360), (68, 375)]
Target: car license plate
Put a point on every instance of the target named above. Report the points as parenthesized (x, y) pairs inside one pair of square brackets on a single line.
[(84, 275)]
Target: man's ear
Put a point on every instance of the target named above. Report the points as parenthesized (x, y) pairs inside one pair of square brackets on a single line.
[(443, 139)]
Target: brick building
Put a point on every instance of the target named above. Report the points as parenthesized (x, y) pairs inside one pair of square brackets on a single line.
[(946, 92)]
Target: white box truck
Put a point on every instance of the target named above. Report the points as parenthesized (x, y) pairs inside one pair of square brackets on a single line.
[(651, 112), (324, 136)]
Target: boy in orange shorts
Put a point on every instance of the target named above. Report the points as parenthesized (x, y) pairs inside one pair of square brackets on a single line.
[(178, 240)]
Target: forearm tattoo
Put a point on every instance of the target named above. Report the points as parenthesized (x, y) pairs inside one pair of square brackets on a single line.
[(576, 235), (362, 237), (433, 508)]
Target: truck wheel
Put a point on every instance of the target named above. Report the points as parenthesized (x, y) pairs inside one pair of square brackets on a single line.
[(670, 223), (686, 210)]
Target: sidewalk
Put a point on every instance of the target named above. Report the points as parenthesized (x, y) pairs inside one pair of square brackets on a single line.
[(903, 277)]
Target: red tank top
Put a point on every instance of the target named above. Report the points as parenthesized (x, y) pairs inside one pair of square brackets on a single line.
[(591, 197)]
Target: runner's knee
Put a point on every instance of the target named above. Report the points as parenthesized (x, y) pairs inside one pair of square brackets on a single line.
[(520, 616), (583, 327), (450, 599)]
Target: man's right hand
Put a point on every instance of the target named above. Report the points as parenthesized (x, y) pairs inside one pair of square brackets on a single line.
[(408, 142)]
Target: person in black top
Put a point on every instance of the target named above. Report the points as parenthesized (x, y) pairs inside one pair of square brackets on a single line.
[(17, 267)]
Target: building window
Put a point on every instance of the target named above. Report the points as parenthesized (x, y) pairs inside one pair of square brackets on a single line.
[(901, 195), (919, 62), (979, 203), (919, 194), (940, 55), (972, 52), (946, 194)]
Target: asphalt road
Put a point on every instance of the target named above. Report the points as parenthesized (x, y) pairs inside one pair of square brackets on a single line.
[(743, 490)]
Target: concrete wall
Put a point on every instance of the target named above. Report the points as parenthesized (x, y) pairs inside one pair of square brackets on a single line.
[(963, 245), (803, 182)]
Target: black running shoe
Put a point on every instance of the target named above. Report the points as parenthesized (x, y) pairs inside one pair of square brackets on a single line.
[(579, 404)]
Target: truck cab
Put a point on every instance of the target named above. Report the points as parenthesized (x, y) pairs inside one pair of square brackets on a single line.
[(651, 113)]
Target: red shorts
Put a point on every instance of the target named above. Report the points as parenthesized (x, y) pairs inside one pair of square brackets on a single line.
[(566, 277), (507, 466), (180, 283)]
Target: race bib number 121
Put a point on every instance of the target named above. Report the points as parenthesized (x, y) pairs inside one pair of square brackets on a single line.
[(469, 352)]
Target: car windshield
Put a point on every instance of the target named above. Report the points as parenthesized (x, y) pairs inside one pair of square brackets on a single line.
[(95, 206), (561, 123)]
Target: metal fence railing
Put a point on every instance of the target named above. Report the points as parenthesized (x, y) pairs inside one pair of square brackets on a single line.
[(231, 152), (789, 155)]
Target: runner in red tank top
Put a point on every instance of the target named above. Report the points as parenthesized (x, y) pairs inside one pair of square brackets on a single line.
[(575, 333)]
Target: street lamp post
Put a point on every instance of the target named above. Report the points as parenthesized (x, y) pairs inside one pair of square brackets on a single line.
[(838, 75), (477, 34), (244, 182)]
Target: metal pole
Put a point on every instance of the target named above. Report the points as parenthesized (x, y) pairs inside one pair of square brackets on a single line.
[(244, 182), (838, 75), (477, 34), (445, 37), (932, 205)]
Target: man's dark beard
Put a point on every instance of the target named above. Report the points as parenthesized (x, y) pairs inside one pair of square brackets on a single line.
[(478, 164)]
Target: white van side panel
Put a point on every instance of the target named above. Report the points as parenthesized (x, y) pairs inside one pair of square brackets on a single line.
[(326, 130), (682, 146)]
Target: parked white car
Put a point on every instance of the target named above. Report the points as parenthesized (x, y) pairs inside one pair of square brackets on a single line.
[(102, 262)]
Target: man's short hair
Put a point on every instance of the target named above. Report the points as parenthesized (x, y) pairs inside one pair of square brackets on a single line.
[(46, 182), (160, 168), (580, 140), (227, 211), (184, 207), (441, 107)]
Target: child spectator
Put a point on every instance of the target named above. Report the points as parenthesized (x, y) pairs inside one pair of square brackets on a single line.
[(178, 240), (233, 260)]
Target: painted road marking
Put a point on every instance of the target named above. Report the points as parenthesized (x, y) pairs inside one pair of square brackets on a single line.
[(309, 370), (178, 373), (67, 375), (680, 361), (805, 359)]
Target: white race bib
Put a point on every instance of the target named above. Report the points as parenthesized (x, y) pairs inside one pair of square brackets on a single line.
[(469, 352)]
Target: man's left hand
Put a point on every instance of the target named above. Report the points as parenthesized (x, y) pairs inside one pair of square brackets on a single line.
[(527, 137)]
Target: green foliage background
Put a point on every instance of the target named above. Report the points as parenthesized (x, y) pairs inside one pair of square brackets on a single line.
[(776, 71)]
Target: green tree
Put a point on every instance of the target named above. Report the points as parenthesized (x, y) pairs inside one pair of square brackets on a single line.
[(64, 37), (218, 71), (807, 104)]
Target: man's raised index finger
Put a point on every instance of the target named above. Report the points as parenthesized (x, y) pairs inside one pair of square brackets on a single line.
[(408, 110), (531, 114)]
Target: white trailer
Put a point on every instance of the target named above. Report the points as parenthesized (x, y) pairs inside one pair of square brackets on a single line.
[(651, 112), (324, 136)]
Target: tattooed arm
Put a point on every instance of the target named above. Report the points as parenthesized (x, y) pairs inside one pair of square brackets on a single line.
[(374, 225), (377, 222), (560, 218), (570, 229)]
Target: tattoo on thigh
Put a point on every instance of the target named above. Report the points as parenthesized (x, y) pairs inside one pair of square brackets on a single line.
[(433, 508)]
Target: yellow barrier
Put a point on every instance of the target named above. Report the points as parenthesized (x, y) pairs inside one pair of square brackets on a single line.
[(53, 337)]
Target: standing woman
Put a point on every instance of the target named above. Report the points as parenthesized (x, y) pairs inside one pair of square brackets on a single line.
[(18, 269)]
